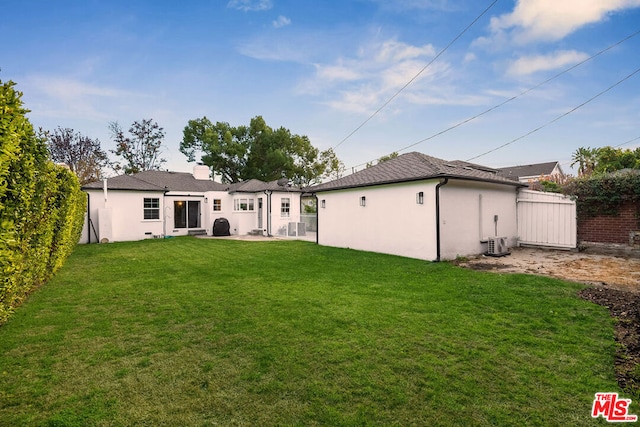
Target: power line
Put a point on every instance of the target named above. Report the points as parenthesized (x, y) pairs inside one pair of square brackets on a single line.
[(627, 142), (416, 76), (557, 118), (514, 97)]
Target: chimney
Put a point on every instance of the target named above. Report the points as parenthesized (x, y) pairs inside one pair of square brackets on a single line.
[(201, 172)]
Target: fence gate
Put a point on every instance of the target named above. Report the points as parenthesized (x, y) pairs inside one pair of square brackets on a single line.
[(546, 219)]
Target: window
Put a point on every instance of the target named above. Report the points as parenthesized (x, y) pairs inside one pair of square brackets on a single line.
[(151, 208), (420, 198), (285, 205), (363, 201), (217, 204), (243, 204)]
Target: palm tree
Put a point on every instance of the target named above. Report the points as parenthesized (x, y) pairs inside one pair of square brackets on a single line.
[(585, 158)]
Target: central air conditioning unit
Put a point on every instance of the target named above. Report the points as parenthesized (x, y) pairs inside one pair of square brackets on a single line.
[(497, 246)]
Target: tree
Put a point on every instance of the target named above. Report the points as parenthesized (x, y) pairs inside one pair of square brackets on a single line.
[(585, 158), (81, 154), (334, 166), (609, 159), (257, 152), (382, 159), (141, 151), (604, 159)]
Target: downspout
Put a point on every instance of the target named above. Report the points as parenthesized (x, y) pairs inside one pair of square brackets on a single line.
[(446, 180), (104, 190), (317, 214)]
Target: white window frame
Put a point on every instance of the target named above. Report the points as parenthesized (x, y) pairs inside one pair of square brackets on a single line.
[(152, 208), (244, 204), (285, 207)]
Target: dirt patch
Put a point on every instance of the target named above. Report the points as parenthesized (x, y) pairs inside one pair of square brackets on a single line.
[(615, 284), (622, 273)]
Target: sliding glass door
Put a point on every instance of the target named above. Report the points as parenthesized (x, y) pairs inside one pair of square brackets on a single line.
[(186, 213)]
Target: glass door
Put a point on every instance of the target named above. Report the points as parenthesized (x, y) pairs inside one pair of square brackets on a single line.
[(186, 214)]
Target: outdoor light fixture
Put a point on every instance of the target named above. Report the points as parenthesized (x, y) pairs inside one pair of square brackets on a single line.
[(420, 198), (323, 203), (363, 201)]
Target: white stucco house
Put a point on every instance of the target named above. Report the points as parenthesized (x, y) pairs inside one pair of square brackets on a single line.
[(418, 206), (154, 204)]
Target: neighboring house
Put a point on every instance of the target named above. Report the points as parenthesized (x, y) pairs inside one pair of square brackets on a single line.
[(157, 203), (533, 173), (418, 206)]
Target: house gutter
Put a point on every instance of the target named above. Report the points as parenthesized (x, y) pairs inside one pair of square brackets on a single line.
[(442, 183)]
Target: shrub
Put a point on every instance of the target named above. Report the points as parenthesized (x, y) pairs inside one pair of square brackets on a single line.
[(604, 194), (41, 206)]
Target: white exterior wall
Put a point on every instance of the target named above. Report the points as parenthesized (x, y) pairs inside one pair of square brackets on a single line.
[(280, 222), (226, 210), (169, 216), (391, 222), (126, 209), (467, 211)]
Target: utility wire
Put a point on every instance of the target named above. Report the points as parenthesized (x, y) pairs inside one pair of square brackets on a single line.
[(513, 97), (557, 118), (627, 142), (416, 76)]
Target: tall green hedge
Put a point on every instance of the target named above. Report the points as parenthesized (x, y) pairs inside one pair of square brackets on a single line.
[(41, 206)]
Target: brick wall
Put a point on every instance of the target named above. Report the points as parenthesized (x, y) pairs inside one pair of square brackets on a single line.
[(609, 228)]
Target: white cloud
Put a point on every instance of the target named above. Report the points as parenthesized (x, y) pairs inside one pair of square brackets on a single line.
[(549, 20), (282, 21), (394, 51), (66, 98), (532, 64), (250, 5), (337, 72), (363, 82)]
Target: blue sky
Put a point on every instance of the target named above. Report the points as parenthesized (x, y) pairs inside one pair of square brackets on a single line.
[(321, 68)]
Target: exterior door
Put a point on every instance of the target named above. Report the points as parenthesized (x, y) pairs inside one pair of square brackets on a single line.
[(260, 213), (186, 214), (193, 213)]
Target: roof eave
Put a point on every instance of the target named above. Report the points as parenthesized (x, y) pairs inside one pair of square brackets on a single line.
[(398, 181)]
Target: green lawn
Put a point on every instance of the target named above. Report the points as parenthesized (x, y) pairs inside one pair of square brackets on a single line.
[(197, 332)]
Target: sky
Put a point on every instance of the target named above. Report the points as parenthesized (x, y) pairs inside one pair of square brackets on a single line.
[(364, 77)]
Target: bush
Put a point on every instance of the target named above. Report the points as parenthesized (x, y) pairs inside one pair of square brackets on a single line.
[(41, 206), (604, 194)]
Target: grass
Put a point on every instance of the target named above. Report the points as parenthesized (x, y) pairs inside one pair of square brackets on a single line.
[(201, 332)]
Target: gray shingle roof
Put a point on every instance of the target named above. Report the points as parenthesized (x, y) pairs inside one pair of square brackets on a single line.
[(537, 169), (158, 181), (181, 181), (255, 185), (412, 166)]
